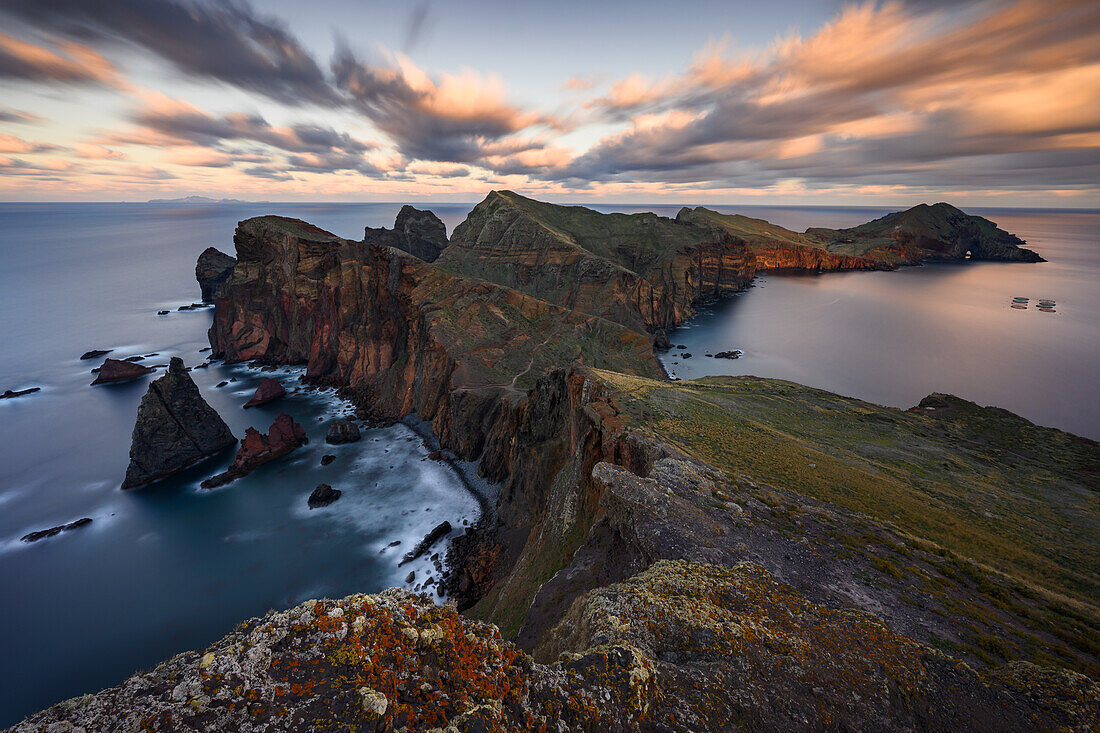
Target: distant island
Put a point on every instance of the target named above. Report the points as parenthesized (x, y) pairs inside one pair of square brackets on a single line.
[(196, 200)]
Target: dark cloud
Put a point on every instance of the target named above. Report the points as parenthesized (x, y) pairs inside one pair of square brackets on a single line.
[(425, 120), (226, 41), (271, 173), (418, 25)]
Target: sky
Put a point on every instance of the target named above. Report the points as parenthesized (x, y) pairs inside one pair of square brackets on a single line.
[(990, 102)]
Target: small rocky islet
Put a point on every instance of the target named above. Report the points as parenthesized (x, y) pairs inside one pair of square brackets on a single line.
[(714, 554)]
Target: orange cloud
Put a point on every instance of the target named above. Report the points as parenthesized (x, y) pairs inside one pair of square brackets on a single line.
[(75, 63)]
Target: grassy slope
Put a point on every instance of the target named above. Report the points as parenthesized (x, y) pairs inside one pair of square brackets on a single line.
[(983, 483), (757, 233)]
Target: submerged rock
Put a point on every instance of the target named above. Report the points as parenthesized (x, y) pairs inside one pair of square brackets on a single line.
[(116, 370), (342, 431), (212, 270), (18, 392), (95, 353), (438, 532), (44, 533), (323, 495), (175, 428), (268, 391), (282, 437)]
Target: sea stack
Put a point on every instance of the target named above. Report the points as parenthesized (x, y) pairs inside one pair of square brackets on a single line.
[(175, 428), (418, 232), (212, 270)]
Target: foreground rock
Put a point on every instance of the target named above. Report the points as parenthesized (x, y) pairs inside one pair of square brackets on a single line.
[(212, 270), (269, 390), (420, 233), (116, 370), (342, 431), (284, 436), (438, 532), (175, 428), (52, 531), (323, 495), (648, 654)]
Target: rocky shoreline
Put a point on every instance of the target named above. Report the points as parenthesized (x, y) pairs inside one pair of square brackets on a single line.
[(662, 555)]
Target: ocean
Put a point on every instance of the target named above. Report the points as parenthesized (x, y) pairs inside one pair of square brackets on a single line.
[(173, 567)]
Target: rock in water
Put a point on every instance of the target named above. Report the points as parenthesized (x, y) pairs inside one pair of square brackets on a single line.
[(420, 233), (44, 533), (94, 353), (212, 270), (734, 354), (8, 394), (116, 370), (174, 429), (282, 437), (268, 391), (323, 495), (440, 531), (327, 459), (342, 431)]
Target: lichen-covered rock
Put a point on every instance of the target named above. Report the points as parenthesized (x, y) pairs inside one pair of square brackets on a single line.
[(175, 428), (212, 269)]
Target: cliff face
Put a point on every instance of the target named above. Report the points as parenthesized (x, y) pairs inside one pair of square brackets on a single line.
[(776, 248), (212, 270), (640, 270)]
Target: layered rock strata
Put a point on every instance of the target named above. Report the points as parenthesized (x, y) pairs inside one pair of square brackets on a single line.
[(420, 233)]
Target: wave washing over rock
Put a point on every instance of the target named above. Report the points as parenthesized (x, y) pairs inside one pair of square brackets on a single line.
[(719, 554)]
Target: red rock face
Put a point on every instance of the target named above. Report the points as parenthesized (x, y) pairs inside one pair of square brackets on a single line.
[(810, 259), (256, 449), (268, 391), (114, 370)]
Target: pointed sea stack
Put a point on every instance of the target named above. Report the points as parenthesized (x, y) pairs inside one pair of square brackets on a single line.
[(175, 428), (420, 233)]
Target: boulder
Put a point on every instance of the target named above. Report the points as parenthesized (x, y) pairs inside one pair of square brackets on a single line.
[(734, 354), (327, 459), (323, 495), (438, 532), (268, 391), (342, 431), (212, 270), (282, 437), (116, 370), (175, 428)]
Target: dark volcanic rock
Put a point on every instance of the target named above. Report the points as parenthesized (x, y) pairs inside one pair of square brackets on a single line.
[(420, 233), (342, 431), (94, 353), (43, 533), (734, 354), (18, 393), (175, 428), (323, 495), (212, 270), (284, 436), (327, 459), (437, 533), (115, 370), (268, 391)]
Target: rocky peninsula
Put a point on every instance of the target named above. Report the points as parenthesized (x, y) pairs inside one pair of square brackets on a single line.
[(718, 554)]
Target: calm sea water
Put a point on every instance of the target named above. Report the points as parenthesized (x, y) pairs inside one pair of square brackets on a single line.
[(173, 567), (894, 337)]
